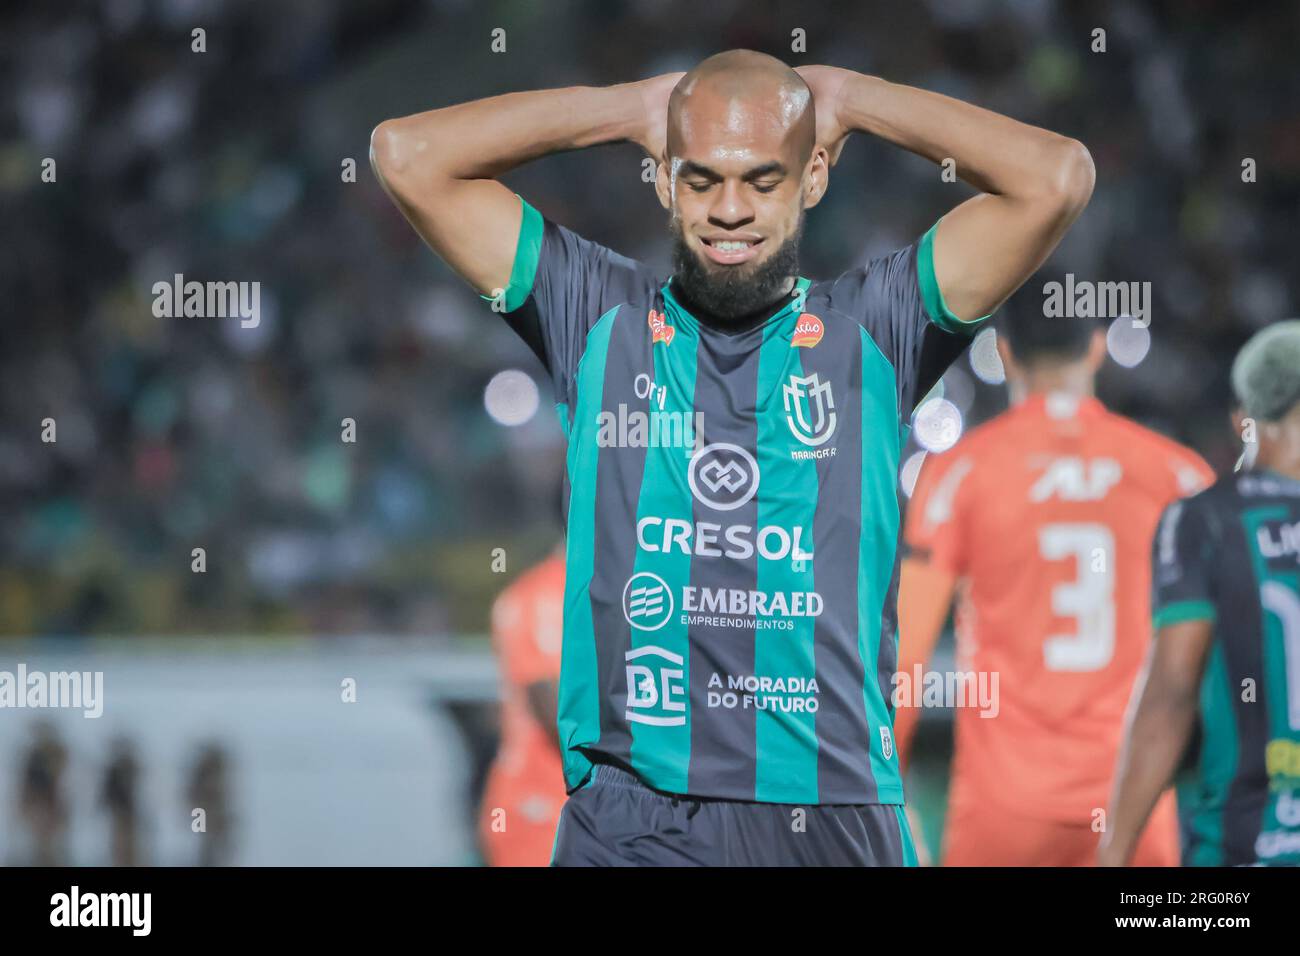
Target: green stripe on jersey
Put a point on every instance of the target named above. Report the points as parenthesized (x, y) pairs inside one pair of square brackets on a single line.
[(877, 543), (905, 834), (932, 296), (785, 745), (1202, 797), (528, 252), (661, 743), (580, 690), (1181, 611)]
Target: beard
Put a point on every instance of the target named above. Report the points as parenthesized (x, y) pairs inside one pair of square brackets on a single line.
[(733, 294)]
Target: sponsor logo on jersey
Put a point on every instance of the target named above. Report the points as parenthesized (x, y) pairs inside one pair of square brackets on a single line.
[(1071, 478), (660, 330), (1282, 762), (643, 386), (790, 695), (808, 331), (749, 604), (1284, 842), (723, 476), (809, 409), (1274, 843), (1278, 540), (707, 539), (647, 601), (886, 743), (1288, 809), (655, 692)]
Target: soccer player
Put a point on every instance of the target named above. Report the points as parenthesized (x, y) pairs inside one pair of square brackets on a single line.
[(733, 433), (525, 787), (1043, 517), (1218, 710)]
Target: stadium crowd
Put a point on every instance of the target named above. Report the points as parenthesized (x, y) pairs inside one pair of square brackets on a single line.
[(232, 164)]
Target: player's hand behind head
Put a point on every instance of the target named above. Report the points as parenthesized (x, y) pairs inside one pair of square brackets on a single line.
[(655, 92), (827, 83)]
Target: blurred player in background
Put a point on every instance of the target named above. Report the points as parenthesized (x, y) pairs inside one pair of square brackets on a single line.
[(42, 804), (209, 788), (1044, 516), (525, 787), (1227, 647), (119, 796)]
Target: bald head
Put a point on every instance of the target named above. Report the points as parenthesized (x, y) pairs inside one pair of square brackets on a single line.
[(741, 94), (742, 166)]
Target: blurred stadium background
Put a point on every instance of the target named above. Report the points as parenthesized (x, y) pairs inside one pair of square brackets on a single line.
[(374, 560)]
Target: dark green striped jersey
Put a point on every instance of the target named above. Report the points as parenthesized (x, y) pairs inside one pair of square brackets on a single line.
[(1231, 555), (733, 518)]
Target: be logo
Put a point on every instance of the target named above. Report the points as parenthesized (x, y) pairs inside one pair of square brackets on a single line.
[(655, 693)]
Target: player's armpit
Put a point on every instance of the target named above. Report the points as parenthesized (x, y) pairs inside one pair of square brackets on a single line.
[(924, 596), (1158, 729)]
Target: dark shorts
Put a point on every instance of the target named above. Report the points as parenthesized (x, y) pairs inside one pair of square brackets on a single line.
[(615, 820)]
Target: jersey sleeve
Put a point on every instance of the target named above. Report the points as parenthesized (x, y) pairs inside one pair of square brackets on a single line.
[(560, 286), (897, 299), (1182, 574), (934, 531)]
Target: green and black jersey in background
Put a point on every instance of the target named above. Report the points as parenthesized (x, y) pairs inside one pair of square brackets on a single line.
[(1231, 555)]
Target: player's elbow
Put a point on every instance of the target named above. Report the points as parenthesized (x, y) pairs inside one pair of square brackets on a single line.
[(387, 151), (1071, 177), (405, 160)]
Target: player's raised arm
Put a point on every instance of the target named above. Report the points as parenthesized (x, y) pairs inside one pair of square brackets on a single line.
[(440, 167), (1034, 183), (1159, 729)]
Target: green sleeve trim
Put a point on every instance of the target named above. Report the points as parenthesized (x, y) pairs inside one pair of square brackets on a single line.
[(1181, 611), (932, 298), (528, 252)]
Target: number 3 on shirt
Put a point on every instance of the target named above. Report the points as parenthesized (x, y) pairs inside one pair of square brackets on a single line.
[(1089, 598)]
